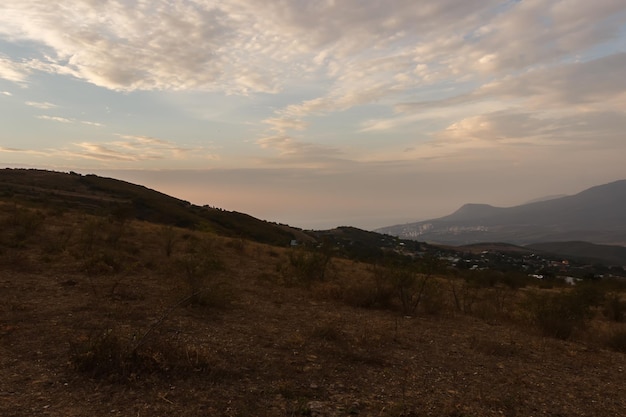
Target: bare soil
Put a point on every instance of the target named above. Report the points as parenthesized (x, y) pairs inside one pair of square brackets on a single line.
[(266, 348)]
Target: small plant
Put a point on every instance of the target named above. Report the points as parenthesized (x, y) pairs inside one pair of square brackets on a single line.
[(21, 224), (615, 308), (169, 238), (309, 266), (238, 244), (115, 358), (368, 293), (101, 355), (617, 341), (463, 294), (559, 315), (199, 265), (90, 234), (327, 331)]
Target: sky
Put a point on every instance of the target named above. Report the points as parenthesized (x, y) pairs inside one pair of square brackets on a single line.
[(320, 113)]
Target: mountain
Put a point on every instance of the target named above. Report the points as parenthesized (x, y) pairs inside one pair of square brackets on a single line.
[(595, 215), (546, 198)]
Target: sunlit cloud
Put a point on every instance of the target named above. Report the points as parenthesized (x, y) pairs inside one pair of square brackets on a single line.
[(95, 124), (23, 151), (290, 147), (60, 119), (55, 119), (12, 71), (41, 105), (132, 148)]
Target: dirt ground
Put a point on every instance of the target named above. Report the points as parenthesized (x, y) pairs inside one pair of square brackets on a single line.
[(271, 350)]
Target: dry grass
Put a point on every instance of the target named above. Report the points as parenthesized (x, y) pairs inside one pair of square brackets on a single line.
[(92, 323)]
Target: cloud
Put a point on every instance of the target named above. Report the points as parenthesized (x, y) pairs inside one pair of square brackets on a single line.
[(41, 105), (128, 149), (59, 119), (12, 71), (298, 152), (23, 151), (95, 124), (517, 135), (132, 148), (103, 152), (6, 93), (243, 46), (596, 82), (55, 119), (452, 77), (354, 52), (281, 125)]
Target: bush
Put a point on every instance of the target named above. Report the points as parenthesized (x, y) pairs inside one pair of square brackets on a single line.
[(617, 341), (559, 315), (199, 265), (20, 225), (169, 237), (434, 299), (110, 356), (309, 266), (410, 288), (369, 293), (615, 308)]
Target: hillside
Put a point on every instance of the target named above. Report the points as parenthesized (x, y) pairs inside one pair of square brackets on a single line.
[(107, 196), (103, 316), (589, 252), (595, 215), (107, 308)]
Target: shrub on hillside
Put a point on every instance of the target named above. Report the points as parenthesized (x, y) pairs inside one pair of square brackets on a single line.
[(615, 308), (617, 341), (20, 224), (308, 266), (113, 357), (560, 314), (199, 265)]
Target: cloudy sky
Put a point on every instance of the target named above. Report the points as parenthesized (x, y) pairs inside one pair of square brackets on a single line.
[(320, 113)]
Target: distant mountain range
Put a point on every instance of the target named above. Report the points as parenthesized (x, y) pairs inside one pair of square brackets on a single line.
[(596, 215)]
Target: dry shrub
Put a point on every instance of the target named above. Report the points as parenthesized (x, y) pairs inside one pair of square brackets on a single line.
[(368, 293), (617, 340), (307, 267), (560, 314), (19, 225), (327, 331), (495, 347), (495, 304), (614, 308), (199, 266), (110, 356), (434, 301), (463, 294)]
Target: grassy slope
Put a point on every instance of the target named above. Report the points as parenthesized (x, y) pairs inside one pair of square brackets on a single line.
[(107, 196), (73, 286)]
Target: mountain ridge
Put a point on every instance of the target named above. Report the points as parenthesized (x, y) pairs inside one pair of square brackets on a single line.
[(595, 215)]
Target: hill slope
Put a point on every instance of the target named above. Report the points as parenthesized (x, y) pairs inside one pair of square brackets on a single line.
[(595, 215), (100, 317), (585, 251), (106, 196)]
